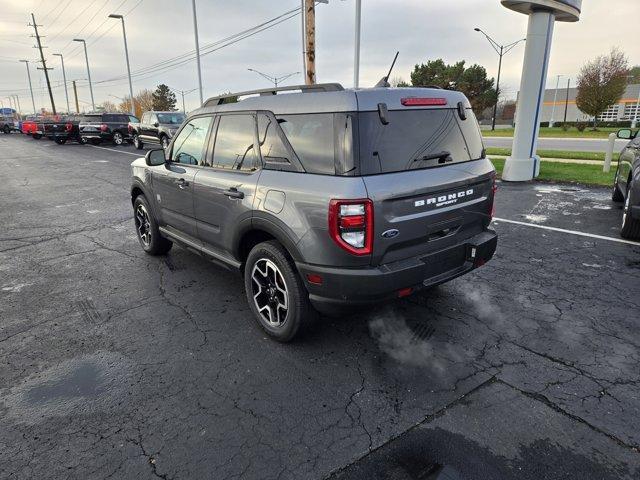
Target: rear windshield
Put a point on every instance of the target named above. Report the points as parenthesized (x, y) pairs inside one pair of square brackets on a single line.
[(415, 139), (171, 118)]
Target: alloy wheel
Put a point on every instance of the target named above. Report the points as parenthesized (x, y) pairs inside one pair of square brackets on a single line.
[(143, 225), (136, 141), (270, 292), (117, 138)]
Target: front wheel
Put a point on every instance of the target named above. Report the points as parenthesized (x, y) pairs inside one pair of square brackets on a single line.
[(60, 141), (137, 142), (117, 138), (275, 292), (36, 136), (147, 229), (82, 141), (630, 226)]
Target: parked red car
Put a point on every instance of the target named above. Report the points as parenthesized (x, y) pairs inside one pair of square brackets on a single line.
[(30, 127)]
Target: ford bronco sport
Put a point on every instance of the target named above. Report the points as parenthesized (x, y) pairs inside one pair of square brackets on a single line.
[(323, 198)]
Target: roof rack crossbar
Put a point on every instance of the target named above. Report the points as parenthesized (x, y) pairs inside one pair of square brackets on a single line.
[(319, 87)]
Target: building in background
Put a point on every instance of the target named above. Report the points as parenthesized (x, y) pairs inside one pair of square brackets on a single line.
[(624, 110)]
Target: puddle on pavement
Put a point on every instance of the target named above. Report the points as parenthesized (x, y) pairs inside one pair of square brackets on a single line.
[(82, 385)]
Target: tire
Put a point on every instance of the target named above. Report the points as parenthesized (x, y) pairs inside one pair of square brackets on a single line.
[(117, 138), (36, 136), (617, 195), (164, 141), (147, 228), (630, 226), (60, 141), (82, 141), (274, 287), (6, 129), (95, 141), (136, 142)]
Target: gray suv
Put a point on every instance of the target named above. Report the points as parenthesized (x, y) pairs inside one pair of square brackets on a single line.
[(323, 197)]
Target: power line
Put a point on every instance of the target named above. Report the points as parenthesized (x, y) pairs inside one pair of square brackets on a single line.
[(51, 39)]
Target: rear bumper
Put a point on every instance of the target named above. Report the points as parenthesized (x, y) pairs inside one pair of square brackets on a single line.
[(342, 287)]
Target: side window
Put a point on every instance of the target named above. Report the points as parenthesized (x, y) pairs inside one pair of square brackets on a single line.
[(188, 147), (234, 149), (133, 119), (272, 149), (312, 138)]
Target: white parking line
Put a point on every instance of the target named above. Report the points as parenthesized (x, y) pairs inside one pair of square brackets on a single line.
[(114, 150), (570, 232)]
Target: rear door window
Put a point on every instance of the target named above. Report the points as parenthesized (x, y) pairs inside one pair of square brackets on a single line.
[(416, 139), (312, 138), (234, 146)]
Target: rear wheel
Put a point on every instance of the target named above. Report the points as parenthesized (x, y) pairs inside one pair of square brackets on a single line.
[(6, 129), (630, 226), (117, 138), (60, 141), (137, 142), (275, 292), (36, 136), (147, 229), (82, 141)]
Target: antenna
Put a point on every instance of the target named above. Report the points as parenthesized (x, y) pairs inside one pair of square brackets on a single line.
[(384, 81)]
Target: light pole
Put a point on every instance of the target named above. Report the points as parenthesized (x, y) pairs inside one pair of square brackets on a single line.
[(126, 54), (18, 103), (195, 31), (64, 78), (356, 52), (86, 57), (33, 102), (555, 98), (274, 80), (501, 50)]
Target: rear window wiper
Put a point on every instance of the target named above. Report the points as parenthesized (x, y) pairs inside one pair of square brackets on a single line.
[(443, 157)]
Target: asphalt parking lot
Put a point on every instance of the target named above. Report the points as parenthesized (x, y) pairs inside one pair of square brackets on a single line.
[(114, 364)]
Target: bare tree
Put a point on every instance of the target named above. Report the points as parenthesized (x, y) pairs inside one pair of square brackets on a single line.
[(109, 106), (601, 83), (143, 102)]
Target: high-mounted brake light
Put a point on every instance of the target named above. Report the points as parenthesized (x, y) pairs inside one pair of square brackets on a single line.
[(351, 225), (103, 127), (129, 128), (422, 101)]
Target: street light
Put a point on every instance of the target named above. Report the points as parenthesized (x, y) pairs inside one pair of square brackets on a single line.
[(501, 50), (33, 102), (126, 54), (274, 80), (18, 103), (86, 57), (195, 31), (64, 78)]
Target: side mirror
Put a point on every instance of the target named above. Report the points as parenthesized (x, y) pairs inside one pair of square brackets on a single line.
[(625, 134), (156, 157), (156, 124)]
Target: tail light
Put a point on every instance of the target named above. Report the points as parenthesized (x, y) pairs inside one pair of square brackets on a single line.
[(68, 127), (492, 204), (130, 128), (351, 225), (103, 127)]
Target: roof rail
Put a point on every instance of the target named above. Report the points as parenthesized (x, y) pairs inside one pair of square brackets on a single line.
[(319, 87)]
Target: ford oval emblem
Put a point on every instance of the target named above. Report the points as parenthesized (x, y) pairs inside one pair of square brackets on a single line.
[(390, 233)]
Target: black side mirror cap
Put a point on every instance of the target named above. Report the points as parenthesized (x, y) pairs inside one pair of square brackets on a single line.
[(155, 157)]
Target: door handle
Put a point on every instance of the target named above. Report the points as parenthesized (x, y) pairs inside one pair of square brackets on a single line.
[(233, 193), (182, 184)]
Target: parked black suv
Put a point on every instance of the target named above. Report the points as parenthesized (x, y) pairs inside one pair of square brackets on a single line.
[(155, 128), (325, 198), (106, 127), (626, 188)]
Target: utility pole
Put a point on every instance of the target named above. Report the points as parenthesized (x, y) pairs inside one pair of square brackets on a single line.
[(195, 30), (33, 102), (64, 78), (566, 100), (75, 94), (44, 63), (304, 38), (310, 36), (356, 52)]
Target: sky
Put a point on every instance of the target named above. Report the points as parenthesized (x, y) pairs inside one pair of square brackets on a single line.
[(160, 29)]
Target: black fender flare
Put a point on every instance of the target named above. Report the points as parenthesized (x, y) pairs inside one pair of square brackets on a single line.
[(274, 227)]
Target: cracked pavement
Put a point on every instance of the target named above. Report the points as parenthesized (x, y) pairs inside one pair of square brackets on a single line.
[(114, 364)]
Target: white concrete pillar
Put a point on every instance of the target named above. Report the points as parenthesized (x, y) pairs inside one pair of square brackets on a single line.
[(524, 164)]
